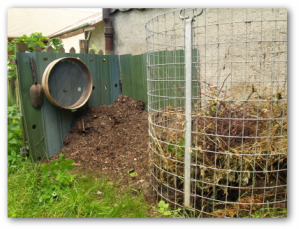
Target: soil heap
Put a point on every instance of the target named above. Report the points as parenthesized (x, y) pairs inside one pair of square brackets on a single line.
[(111, 139)]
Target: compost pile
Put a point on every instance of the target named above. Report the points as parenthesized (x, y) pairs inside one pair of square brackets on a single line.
[(238, 153), (111, 139)]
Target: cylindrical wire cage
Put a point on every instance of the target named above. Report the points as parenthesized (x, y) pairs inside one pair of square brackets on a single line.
[(239, 110)]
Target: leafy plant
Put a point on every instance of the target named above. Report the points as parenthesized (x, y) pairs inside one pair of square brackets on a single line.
[(132, 173), (14, 136), (31, 41), (180, 151), (14, 159), (94, 49), (166, 211), (164, 208), (55, 178)]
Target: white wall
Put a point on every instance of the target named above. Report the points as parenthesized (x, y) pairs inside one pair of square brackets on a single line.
[(129, 30), (73, 41), (97, 37), (241, 47)]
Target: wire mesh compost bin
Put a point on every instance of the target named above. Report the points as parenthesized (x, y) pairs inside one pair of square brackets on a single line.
[(217, 101)]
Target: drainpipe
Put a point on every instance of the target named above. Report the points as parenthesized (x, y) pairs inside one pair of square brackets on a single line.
[(108, 31)]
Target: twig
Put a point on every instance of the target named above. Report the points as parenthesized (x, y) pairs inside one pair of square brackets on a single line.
[(223, 84), (83, 128)]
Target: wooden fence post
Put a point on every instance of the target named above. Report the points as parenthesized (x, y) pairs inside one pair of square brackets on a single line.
[(50, 49), (37, 48), (91, 51), (72, 50), (61, 50), (21, 47), (83, 44)]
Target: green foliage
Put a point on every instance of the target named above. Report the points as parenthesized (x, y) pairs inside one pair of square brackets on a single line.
[(180, 150), (94, 49), (11, 73), (12, 91), (268, 212), (166, 211), (14, 159), (164, 208), (36, 39), (132, 173), (14, 136), (31, 41), (55, 178)]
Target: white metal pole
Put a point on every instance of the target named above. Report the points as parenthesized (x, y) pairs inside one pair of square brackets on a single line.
[(188, 110)]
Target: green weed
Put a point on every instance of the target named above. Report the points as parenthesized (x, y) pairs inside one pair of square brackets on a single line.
[(132, 173), (166, 211), (178, 150), (55, 178)]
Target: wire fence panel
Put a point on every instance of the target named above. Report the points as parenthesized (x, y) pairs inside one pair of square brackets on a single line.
[(239, 109)]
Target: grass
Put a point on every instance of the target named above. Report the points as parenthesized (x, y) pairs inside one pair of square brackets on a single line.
[(91, 197), (88, 198), (269, 212)]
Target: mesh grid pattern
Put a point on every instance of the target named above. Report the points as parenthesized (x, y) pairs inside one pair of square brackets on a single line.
[(69, 82), (239, 109)]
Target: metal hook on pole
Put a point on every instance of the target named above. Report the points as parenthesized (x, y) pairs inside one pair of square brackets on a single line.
[(186, 17)]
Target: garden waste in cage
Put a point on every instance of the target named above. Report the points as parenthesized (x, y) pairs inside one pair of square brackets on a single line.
[(217, 102)]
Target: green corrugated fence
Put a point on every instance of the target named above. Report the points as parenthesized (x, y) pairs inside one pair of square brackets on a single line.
[(46, 128)]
